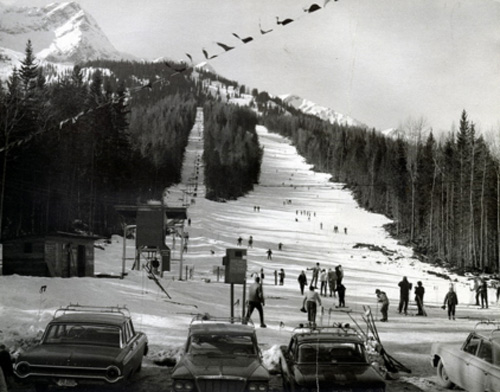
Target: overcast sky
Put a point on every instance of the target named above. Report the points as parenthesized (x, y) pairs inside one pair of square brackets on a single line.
[(379, 61)]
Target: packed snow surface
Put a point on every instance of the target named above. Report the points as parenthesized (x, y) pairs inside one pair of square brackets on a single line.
[(292, 205)]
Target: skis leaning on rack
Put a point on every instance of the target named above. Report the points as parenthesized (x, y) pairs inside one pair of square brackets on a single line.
[(392, 365)]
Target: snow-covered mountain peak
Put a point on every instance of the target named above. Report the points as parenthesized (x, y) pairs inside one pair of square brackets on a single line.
[(322, 112), (59, 32)]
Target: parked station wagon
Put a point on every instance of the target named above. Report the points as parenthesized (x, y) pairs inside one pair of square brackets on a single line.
[(474, 365), (220, 355), (328, 359), (84, 345)]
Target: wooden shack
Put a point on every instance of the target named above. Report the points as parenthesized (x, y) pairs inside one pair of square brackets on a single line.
[(58, 254)]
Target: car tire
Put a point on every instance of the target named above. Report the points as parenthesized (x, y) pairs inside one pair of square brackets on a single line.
[(286, 387), (444, 380)]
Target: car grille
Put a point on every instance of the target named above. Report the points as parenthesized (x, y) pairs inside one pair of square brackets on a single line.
[(69, 372), (221, 385)]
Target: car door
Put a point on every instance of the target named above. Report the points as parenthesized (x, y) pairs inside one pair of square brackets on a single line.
[(480, 367), (470, 374), (132, 347)]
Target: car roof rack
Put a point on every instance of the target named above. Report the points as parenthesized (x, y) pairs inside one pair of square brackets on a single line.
[(206, 318), (77, 308), (339, 329), (490, 323)]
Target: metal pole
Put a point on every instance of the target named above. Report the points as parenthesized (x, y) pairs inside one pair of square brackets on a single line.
[(244, 300), (232, 301), (181, 251), (124, 255)]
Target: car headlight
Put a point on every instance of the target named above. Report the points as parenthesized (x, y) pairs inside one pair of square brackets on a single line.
[(258, 386), (23, 369), (112, 373), (183, 385)]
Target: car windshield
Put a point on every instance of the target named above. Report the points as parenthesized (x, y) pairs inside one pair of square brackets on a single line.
[(87, 334), (221, 344), (331, 352)]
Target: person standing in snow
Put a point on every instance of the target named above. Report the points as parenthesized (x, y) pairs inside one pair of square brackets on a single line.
[(250, 242), (477, 283), (332, 282), (239, 241), (419, 298), (340, 274), (324, 282), (310, 302), (315, 275), (483, 293), (450, 300), (256, 301), (384, 309), (302, 279), (282, 276), (341, 291), (404, 295), (269, 254)]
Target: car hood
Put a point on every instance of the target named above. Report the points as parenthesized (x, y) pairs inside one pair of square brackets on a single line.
[(70, 355), (223, 366), (352, 374)]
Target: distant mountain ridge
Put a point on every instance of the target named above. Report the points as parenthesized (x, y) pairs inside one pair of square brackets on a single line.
[(59, 32), (322, 112)]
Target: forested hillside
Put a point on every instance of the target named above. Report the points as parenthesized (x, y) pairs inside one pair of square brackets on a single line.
[(232, 152), (111, 133), (443, 196), (73, 149)]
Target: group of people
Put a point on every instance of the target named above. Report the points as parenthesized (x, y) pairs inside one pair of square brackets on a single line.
[(481, 289), (404, 298), (330, 281), (450, 300), (333, 280)]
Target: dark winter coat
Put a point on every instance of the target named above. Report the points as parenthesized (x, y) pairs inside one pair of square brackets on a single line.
[(419, 292), (404, 288), (451, 298)]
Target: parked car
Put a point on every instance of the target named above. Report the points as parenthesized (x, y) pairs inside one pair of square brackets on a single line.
[(328, 359), (220, 355), (84, 345), (475, 364)]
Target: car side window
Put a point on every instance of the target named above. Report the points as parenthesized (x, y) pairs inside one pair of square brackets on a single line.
[(472, 344), (292, 346), (485, 351), (126, 334), (130, 331), (131, 326)]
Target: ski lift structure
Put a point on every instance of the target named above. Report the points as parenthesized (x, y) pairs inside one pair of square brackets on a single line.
[(154, 223)]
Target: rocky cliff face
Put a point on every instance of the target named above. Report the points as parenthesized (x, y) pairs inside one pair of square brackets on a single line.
[(322, 112), (59, 32)]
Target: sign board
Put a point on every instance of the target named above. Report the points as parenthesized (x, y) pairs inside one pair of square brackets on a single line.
[(235, 263), (150, 229), (165, 259)]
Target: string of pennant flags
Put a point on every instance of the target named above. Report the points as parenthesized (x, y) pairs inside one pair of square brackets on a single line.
[(177, 69)]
